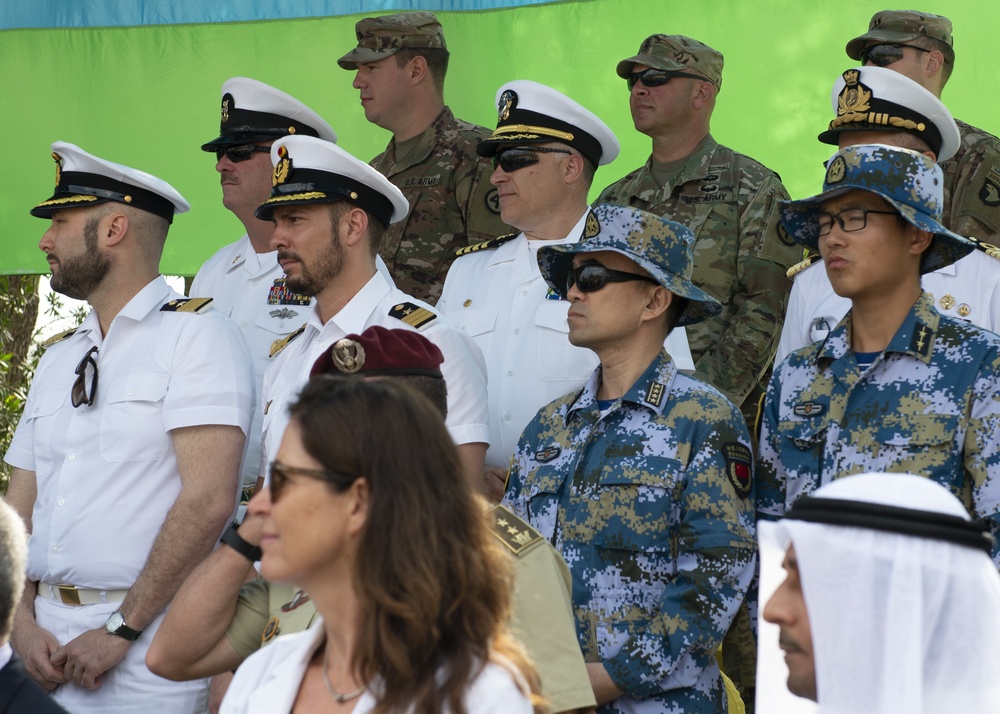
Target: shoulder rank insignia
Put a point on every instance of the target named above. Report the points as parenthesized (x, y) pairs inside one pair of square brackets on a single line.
[(799, 267), (271, 630), (738, 470), (281, 344), (413, 315), (988, 248), (55, 339), (512, 531), (922, 339), (486, 244), (196, 305)]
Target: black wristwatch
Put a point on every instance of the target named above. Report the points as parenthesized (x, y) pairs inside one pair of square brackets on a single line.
[(235, 541), (116, 626)]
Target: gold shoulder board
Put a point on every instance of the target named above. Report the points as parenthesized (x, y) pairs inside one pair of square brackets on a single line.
[(197, 305), (413, 315), (282, 343), (58, 338), (514, 533), (486, 244), (799, 267)]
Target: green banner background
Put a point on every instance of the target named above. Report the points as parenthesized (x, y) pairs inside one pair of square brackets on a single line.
[(149, 96)]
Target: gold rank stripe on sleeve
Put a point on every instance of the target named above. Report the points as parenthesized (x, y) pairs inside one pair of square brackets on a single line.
[(486, 244), (413, 315), (514, 533), (55, 339), (799, 267), (282, 343), (197, 305)]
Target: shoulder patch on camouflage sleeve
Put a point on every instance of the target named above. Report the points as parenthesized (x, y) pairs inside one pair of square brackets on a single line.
[(197, 305), (738, 470), (56, 339), (486, 244), (989, 194), (281, 344), (413, 315), (510, 530), (492, 201), (799, 267)]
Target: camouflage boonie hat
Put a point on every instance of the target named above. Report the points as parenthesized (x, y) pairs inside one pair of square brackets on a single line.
[(904, 26), (676, 53), (381, 37), (908, 180), (664, 249)]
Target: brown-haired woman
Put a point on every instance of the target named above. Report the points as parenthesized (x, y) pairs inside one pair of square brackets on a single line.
[(369, 513)]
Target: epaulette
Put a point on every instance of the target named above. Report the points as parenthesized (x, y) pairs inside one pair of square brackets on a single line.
[(282, 343), (413, 315), (988, 248), (799, 267), (58, 338), (196, 305), (486, 244), (512, 531)]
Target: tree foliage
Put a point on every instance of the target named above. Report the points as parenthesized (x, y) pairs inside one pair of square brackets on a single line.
[(18, 357)]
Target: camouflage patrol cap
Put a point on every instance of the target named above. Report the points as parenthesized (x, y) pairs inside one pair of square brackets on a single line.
[(381, 37), (904, 26), (676, 53), (908, 180), (664, 249)]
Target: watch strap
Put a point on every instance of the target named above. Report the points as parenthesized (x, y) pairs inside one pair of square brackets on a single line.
[(235, 541), (123, 630)]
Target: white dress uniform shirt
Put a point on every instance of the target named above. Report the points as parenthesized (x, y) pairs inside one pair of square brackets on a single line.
[(269, 680), (463, 367), (968, 289), (247, 286), (107, 474), (498, 296)]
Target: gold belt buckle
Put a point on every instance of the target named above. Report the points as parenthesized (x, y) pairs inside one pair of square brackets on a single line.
[(69, 594)]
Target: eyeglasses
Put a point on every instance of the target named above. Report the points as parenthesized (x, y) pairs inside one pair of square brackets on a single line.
[(515, 159), (850, 220), (885, 53), (657, 77), (591, 277), (280, 473), (241, 152), (80, 394)]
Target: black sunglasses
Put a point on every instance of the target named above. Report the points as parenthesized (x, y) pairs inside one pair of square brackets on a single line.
[(280, 473), (885, 53), (592, 276), (657, 77), (80, 394), (511, 160), (240, 152)]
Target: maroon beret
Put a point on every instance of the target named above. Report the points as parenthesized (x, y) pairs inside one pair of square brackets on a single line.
[(381, 351)]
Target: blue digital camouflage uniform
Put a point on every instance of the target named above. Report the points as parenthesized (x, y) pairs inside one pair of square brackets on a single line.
[(929, 405), (649, 505)]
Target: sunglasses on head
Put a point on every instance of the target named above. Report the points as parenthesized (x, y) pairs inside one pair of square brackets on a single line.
[(886, 53), (657, 77), (240, 152), (81, 393), (593, 276), (517, 158)]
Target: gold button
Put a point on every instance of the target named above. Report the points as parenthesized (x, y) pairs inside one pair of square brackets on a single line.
[(466, 303)]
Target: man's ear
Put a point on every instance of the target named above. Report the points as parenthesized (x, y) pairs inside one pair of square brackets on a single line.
[(657, 302), (112, 228), (354, 226)]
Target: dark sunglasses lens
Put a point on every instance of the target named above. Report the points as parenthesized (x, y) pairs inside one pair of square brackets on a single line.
[(277, 481), (78, 395), (236, 154), (587, 278), (649, 77), (881, 55), (514, 160)]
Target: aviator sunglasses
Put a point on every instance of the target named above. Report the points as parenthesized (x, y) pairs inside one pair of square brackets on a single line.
[(240, 152), (885, 53), (657, 77), (519, 157), (593, 276)]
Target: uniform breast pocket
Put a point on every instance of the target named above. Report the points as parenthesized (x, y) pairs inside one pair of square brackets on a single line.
[(558, 360), (801, 446), (279, 320), (132, 424), (428, 217), (919, 444), (541, 497), (477, 324), (42, 421)]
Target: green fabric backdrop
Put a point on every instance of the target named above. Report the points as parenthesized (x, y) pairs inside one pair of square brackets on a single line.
[(149, 96)]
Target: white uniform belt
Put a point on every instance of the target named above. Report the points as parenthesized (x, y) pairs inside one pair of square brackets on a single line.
[(72, 595)]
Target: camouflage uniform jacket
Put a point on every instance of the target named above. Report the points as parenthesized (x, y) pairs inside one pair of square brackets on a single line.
[(929, 405), (452, 204), (645, 505), (972, 186), (730, 202)]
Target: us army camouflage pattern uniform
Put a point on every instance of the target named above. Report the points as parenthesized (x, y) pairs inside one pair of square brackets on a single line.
[(930, 405), (972, 186), (730, 202), (643, 505), (452, 204)]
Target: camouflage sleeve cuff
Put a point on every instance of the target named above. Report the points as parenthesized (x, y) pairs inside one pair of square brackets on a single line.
[(634, 676)]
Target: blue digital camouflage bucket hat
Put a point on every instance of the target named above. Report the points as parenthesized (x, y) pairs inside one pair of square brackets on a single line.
[(908, 180), (664, 249)]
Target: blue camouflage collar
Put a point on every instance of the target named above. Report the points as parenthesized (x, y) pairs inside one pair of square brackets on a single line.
[(651, 390), (914, 337)]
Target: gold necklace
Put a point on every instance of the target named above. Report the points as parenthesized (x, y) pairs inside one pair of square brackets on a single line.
[(337, 696)]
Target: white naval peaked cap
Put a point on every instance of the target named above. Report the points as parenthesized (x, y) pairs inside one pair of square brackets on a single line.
[(254, 111), (310, 170), (531, 113), (881, 99), (83, 179)]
